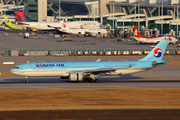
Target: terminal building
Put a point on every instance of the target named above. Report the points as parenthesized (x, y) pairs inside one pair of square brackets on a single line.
[(119, 14)]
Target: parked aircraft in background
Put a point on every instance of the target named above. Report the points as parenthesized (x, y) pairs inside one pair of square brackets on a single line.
[(11, 25), (24, 21), (65, 29), (14, 26), (142, 39), (78, 71)]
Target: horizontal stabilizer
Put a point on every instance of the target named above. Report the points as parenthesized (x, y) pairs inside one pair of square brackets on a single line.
[(158, 63)]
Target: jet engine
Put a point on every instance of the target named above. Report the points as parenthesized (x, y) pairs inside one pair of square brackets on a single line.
[(79, 33), (75, 76), (83, 26)]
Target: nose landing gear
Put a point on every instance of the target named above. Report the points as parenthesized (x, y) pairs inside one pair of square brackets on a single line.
[(26, 81)]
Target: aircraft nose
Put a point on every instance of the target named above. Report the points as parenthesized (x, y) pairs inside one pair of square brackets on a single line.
[(11, 70)]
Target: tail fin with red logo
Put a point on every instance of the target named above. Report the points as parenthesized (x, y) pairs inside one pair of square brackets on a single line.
[(157, 52), (21, 17), (137, 33)]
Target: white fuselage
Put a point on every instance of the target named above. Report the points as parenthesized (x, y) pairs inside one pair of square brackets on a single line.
[(92, 32), (154, 39), (74, 24), (57, 73)]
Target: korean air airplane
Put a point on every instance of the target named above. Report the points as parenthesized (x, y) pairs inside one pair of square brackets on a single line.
[(153, 40), (88, 71)]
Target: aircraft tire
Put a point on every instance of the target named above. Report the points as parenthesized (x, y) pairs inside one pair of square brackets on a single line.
[(85, 80), (96, 80), (91, 80)]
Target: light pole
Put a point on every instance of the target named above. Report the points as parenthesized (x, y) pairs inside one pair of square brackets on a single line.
[(161, 3), (138, 12), (113, 14), (123, 27), (91, 8), (135, 11), (174, 13), (113, 17), (59, 11), (17, 3), (159, 12), (94, 13), (162, 20), (1, 7), (177, 19), (138, 15)]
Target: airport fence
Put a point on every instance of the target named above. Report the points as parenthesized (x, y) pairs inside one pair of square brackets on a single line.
[(49, 52)]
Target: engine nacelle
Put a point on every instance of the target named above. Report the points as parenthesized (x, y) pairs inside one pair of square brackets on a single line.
[(82, 33), (83, 26), (75, 76)]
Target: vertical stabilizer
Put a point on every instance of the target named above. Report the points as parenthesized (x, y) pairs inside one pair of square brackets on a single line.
[(137, 33), (157, 52), (21, 17), (7, 21)]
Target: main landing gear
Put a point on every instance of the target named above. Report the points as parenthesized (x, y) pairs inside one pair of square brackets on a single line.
[(88, 79), (26, 81)]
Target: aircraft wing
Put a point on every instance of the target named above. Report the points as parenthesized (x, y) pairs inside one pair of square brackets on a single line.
[(21, 23), (100, 70), (87, 32), (58, 28)]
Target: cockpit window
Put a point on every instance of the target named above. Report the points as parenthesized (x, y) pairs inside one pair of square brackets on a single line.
[(16, 67)]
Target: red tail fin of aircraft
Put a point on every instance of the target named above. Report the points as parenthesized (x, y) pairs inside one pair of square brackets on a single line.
[(21, 17), (137, 33)]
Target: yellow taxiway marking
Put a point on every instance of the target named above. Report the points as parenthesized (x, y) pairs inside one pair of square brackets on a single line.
[(123, 60), (40, 61), (68, 60), (41, 87)]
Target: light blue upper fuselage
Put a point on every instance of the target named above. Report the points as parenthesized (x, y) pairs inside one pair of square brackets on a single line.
[(83, 65)]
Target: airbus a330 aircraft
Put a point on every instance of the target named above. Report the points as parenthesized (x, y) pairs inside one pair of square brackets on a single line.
[(25, 21), (141, 39), (92, 32), (78, 71)]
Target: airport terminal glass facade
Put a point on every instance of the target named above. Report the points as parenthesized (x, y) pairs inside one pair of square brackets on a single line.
[(67, 8), (17, 2), (31, 9)]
